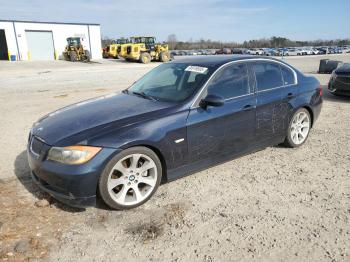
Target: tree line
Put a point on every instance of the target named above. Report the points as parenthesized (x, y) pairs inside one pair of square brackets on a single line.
[(273, 42)]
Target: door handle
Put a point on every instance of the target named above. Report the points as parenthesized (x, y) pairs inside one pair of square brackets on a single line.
[(247, 107), (290, 95)]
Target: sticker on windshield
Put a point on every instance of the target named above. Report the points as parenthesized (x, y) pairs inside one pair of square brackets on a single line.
[(197, 69)]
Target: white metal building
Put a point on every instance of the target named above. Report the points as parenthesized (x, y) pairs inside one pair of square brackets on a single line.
[(28, 40)]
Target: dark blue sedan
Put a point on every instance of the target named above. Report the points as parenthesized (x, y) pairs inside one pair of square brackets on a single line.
[(181, 117)]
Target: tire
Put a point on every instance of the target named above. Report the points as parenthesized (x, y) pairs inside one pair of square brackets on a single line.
[(298, 129), (145, 58), (125, 184), (164, 57), (87, 56), (73, 56), (65, 56)]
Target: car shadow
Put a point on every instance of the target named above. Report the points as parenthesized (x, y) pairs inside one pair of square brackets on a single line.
[(328, 96)]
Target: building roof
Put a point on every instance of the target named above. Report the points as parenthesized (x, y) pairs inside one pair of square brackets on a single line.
[(42, 22)]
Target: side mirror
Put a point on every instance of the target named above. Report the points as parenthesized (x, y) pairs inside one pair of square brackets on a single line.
[(212, 100)]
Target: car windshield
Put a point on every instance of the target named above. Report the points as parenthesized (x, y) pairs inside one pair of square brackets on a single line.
[(172, 82)]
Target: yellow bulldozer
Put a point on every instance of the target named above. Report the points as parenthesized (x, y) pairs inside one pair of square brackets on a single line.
[(75, 51), (145, 49)]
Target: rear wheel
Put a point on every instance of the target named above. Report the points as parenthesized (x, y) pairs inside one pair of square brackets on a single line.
[(164, 56), (73, 56), (130, 178), (299, 128), (145, 58), (87, 56)]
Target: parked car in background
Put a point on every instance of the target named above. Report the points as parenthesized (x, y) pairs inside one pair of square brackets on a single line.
[(256, 51), (174, 53), (339, 83), (314, 51), (307, 51), (271, 52), (239, 51), (223, 51), (181, 117), (321, 50), (293, 52)]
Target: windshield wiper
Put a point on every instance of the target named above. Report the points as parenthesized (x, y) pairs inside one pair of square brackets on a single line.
[(144, 95)]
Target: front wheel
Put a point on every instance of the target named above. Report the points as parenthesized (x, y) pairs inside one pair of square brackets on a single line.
[(164, 56), (130, 178), (298, 129), (87, 56), (145, 58), (73, 56)]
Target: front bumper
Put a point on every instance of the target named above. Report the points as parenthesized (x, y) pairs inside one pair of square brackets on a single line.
[(339, 85), (69, 200), (74, 185)]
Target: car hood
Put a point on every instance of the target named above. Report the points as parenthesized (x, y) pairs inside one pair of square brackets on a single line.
[(343, 69), (92, 116)]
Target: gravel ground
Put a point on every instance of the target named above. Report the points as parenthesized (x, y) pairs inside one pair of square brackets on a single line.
[(274, 205)]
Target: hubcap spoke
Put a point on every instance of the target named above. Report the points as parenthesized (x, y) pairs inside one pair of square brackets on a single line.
[(147, 180), (121, 196), (115, 182), (305, 125), (146, 166), (120, 167), (134, 160), (137, 193)]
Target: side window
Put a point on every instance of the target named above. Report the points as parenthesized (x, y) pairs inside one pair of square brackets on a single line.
[(231, 81), (268, 75), (288, 76)]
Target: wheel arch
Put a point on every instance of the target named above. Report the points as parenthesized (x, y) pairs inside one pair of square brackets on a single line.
[(159, 154), (162, 161), (308, 108)]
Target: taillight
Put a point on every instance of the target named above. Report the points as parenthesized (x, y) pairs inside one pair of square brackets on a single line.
[(320, 90)]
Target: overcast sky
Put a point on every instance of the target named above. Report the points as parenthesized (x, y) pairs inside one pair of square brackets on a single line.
[(225, 20)]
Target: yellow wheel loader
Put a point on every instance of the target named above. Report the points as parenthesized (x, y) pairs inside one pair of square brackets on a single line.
[(75, 51), (115, 49), (144, 49)]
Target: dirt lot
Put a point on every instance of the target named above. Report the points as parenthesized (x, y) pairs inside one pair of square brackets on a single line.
[(275, 205)]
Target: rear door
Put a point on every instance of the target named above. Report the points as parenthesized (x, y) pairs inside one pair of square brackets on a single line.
[(228, 129), (269, 111)]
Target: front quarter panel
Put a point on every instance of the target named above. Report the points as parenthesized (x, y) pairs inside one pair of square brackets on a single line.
[(166, 134)]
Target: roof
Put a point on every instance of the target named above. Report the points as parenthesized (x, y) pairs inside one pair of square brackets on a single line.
[(41, 22), (216, 61)]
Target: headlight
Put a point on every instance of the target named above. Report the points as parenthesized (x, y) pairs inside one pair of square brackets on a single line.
[(72, 155)]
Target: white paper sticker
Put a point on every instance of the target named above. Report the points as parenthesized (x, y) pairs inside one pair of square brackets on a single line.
[(197, 69)]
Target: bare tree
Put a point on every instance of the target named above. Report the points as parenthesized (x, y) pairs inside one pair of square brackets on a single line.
[(172, 41)]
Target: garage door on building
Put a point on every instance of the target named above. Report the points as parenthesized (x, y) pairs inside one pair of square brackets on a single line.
[(40, 45)]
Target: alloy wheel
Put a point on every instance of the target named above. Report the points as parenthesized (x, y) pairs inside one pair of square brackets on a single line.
[(132, 179), (300, 127)]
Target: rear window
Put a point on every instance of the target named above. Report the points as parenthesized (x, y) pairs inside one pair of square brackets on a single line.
[(288, 76), (268, 75)]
